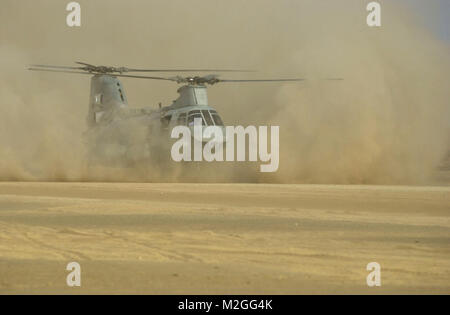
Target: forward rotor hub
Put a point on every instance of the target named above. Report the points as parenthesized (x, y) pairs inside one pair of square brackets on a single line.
[(209, 79)]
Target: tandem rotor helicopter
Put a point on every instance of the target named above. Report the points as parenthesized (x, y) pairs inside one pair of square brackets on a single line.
[(119, 133)]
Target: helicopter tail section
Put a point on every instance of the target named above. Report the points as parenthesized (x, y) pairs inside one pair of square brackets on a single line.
[(107, 95)]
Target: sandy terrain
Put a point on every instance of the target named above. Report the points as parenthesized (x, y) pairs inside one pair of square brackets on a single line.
[(223, 238)]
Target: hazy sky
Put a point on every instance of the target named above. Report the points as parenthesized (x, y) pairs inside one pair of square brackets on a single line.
[(435, 14)]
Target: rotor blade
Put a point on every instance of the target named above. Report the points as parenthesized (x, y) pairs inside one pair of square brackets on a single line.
[(56, 67), (187, 70), (142, 77), (52, 70), (84, 64), (263, 80), (126, 69), (108, 69), (112, 75), (174, 79)]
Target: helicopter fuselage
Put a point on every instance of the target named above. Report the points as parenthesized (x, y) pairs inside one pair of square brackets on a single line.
[(118, 132)]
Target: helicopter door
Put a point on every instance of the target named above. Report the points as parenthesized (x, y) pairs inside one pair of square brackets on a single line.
[(98, 101)]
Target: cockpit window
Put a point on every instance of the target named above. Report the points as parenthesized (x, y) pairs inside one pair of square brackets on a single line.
[(217, 119), (192, 117), (207, 117)]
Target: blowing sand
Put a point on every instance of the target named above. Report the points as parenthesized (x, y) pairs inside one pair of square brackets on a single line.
[(223, 238)]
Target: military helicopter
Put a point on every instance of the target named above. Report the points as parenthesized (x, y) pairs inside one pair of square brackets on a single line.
[(119, 133)]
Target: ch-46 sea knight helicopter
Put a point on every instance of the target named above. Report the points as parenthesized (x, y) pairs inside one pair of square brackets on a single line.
[(119, 133)]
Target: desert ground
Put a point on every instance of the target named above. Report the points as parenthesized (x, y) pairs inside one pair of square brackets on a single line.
[(223, 238)]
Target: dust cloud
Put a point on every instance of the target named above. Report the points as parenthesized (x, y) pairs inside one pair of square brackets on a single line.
[(385, 123)]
